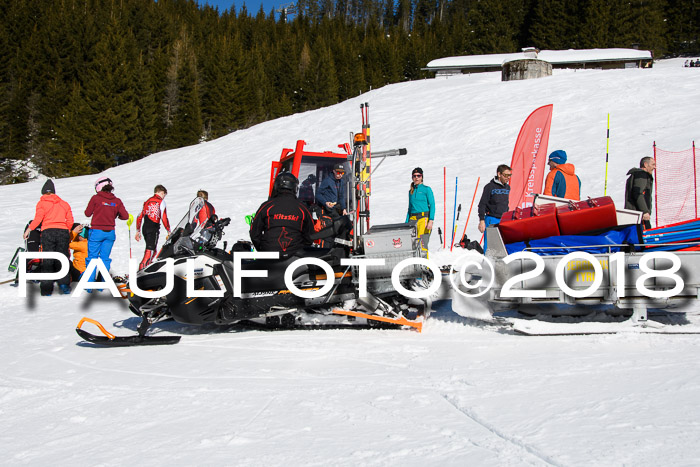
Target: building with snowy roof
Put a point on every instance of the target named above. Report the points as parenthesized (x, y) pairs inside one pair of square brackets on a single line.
[(579, 58)]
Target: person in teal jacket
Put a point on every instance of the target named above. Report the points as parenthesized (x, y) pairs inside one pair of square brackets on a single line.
[(421, 207)]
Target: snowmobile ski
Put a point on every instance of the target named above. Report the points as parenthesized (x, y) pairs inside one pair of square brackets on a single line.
[(401, 320), (110, 340)]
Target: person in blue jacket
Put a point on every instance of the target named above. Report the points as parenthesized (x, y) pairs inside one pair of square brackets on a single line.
[(421, 207), (332, 197), (331, 194)]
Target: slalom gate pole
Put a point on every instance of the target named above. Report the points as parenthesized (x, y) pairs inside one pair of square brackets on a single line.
[(695, 180), (470, 208), (454, 234), (130, 221), (656, 190), (607, 150), (454, 215), (444, 204)]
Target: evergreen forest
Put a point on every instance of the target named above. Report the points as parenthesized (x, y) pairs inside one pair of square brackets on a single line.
[(89, 84)]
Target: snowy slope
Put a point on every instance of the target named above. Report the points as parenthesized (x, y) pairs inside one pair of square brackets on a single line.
[(457, 394)]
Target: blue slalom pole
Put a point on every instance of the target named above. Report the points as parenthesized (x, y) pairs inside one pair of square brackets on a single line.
[(454, 215)]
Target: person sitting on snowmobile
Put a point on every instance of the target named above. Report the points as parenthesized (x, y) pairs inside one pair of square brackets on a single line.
[(207, 212), (282, 223)]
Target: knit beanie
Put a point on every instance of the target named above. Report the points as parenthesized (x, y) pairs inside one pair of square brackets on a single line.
[(48, 187)]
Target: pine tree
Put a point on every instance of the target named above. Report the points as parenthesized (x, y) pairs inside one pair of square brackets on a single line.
[(554, 25), (187, 128), (147, 108), (324, 81), (110, 95), (596, 24)]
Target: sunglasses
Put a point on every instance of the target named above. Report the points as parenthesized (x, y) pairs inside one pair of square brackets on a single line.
[(417, 176), (507, 175)]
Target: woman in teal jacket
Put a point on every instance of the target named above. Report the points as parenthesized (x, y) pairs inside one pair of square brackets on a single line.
[(421, 207)]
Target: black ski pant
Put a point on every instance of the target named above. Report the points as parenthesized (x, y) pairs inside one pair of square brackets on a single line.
[(54, 240)]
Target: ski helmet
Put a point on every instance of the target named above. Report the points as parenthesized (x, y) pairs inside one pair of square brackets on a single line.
[(286, 181), (101, 183)]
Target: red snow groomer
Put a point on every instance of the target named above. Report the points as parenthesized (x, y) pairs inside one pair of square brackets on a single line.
[(311, 168)]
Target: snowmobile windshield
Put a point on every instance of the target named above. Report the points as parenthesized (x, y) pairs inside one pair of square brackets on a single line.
[(187, 230)]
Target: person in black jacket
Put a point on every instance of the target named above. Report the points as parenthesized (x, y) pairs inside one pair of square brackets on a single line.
[(640, 184), (494, 199), (282, 223)]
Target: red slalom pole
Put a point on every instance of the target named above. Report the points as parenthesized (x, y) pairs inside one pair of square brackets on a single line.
[(470, 208), (444, 204)]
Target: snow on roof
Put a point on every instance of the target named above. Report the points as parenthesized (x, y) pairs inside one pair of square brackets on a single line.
[(551, 56)]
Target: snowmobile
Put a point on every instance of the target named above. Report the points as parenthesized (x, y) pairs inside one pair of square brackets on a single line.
[(267, 300)]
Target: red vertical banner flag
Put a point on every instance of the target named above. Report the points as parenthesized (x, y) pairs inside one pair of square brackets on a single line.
[(530, 158)]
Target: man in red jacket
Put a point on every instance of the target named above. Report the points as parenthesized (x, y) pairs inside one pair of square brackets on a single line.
[(152, 214), (55, 218), (104, 208)]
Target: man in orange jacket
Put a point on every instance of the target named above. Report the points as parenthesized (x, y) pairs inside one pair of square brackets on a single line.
[(562, 180), (56, 218)]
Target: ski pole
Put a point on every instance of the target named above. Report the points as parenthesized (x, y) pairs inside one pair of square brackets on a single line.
[(128, 225), (454, 214), (470, 207), (440, 234)]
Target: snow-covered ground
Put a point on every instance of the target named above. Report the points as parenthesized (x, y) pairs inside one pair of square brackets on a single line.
[(456, 394)]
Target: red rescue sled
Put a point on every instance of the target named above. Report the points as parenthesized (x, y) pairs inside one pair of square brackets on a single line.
[(592, 214), (530, 223)]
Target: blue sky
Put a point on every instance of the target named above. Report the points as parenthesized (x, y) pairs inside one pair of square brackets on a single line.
[(252, 5)]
